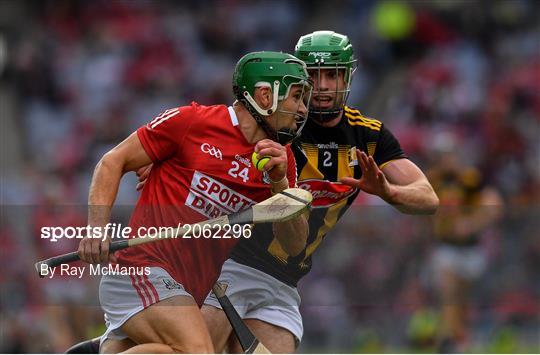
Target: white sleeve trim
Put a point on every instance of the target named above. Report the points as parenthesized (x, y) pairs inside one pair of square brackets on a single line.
[(234, 119)]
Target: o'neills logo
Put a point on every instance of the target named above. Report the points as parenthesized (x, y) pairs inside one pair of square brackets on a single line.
[(326, 193), (213, 199), (243, 160)]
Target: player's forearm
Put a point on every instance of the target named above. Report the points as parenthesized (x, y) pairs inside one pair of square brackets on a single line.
[(103, 190), (292, 235), (416, 198)]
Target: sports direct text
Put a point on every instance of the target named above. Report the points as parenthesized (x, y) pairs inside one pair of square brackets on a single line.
[(117, 231)]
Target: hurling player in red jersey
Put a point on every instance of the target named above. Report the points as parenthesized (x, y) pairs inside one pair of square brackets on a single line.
[(201, 169)]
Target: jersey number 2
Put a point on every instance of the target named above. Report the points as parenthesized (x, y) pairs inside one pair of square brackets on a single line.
[(327, 159)]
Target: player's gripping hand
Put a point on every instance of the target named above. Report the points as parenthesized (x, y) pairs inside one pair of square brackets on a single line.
[(142, 175), (277, 165), (373, 180), (95, 250)]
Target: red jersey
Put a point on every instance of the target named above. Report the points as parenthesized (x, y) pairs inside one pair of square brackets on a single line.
[(202, 169)]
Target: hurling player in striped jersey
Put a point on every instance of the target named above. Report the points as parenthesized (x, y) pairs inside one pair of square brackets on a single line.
[(262, 278)]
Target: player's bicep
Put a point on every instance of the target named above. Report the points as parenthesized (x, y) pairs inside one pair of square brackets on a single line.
[(130, 154), (403, 172)]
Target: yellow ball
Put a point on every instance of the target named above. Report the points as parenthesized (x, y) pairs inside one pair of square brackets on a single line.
[(259, 163)]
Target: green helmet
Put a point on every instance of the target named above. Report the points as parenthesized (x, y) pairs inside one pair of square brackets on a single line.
[(276, 70), (328, 50)]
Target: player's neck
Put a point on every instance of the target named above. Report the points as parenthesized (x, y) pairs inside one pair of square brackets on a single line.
[(248, 126)]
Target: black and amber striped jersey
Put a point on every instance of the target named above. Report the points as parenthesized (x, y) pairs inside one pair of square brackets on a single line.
[(322, 157)]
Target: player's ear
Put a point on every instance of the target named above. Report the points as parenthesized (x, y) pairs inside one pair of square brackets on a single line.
[(263, 96)]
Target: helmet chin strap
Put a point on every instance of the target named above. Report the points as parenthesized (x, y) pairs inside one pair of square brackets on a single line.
[(323, 116), (282, 136), (270, 132), (286, 135), (256, 111)]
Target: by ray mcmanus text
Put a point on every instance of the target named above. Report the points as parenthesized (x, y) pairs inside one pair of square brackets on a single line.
[(93, 270)]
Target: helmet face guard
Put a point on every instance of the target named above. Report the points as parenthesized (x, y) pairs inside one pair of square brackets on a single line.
[(340, 94), (280, 72), (329, 51), (287, 135)]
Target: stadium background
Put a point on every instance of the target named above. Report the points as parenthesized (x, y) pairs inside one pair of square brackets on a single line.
[(77, 77)]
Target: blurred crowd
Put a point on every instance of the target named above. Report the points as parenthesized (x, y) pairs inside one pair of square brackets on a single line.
[(77, 77)]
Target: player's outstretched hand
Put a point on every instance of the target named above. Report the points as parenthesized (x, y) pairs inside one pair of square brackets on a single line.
[(142, 175), (277, 165), (373, 180)]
